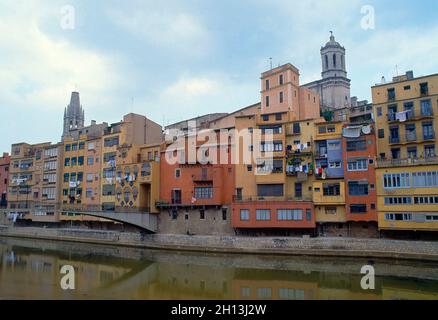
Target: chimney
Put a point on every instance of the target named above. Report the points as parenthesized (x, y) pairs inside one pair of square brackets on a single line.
[(410, 75), (93, 122), (383, 80)]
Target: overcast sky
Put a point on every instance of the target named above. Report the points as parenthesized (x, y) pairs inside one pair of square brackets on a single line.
[(172, 60)]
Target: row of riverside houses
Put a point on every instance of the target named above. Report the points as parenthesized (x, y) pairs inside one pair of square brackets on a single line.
[(341, 167)]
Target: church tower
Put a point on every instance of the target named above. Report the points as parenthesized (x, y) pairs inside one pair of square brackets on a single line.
[(334, 87), (74, 117)]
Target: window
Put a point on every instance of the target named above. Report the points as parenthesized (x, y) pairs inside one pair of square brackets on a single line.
[(249, 168), (396, 180), (224, 214), (331, 129), (331, 189), (281, 80), (397, 200), (431, 218), (263, 214), (80, 161), (90, 160), (398, 216), (308, 214), (281, 97), (267, 84), (110, 142), (74, 161), (67, 147), (356, 145), (267, 101), (335, 164), (379, 111), (424, 89), (429, 151), (425, 179), (202, 214), (411, 134), (330, 210), (406, 88), (109, 156), (271, 130), (91, 146), (89, 193), (296, 128), (428, 133), (81, 145), (426, 108), (74, 147), (177, 173), (289, 214), (322, 129), (90, 177), (66, 177), (203, 192), (357, 188), (358, 208), (270, 190), (395, 153), (298, 189), (391, 94), (276, 146), (412, 152), (381, 133), (278, 116), (244, 214), (394, 136), (426, 200), (67, 162), (357, 165), (265, 117), (334, 60)]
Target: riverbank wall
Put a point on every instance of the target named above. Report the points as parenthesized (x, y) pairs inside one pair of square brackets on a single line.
[(329, 247)]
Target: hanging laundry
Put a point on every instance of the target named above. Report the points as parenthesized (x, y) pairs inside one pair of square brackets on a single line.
[(366, 129), (352, 132), (401, 116)]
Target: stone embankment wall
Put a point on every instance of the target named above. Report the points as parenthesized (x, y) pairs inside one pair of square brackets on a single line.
[(342, 247)]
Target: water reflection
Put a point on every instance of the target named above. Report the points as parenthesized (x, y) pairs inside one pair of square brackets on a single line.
[(31, 270)]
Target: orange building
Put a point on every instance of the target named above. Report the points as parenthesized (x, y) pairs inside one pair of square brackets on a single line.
[(359, 157), (5, 161), (195, 197)]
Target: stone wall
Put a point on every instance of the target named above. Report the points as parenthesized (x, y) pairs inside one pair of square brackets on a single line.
[(190, 222), (345, 247)]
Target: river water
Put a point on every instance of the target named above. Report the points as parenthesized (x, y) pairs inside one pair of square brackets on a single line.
[(30, 269)]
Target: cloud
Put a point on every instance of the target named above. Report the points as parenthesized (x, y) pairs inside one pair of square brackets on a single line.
[(40, 71), (194, 95), (178, 31)]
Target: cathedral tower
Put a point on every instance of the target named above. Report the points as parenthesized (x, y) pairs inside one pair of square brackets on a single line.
[(74, 117)]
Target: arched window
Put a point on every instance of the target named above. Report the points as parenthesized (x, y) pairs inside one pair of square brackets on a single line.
[(326, 62), (334, 60)]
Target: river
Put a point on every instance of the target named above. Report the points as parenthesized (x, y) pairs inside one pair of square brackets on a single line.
[(30, 269)]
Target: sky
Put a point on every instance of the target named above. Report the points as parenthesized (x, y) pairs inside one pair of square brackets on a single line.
[(172, 60)]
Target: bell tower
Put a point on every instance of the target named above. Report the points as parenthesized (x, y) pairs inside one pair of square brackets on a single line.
[(74, 116)]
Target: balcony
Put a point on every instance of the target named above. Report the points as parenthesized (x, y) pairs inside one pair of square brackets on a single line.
[(389, 163), (394, 140), (203, 176), (238, 199), (396, 116)]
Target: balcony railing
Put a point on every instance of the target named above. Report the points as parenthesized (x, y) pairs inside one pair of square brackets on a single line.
[(270, 199), (430, 136), (203, 176), (392, 116), (388, 163), (100, 208)]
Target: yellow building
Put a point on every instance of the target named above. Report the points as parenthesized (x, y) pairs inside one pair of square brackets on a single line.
[(34, 181), (138, 178), (407, 167)]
